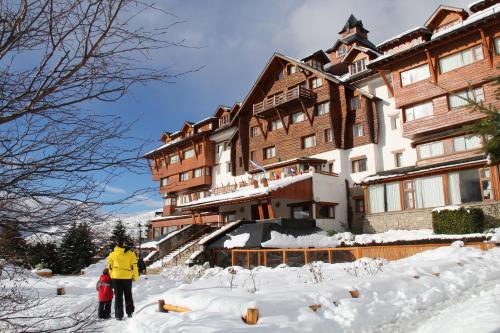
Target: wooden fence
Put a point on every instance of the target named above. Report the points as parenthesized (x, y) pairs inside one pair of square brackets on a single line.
[(299, 257)]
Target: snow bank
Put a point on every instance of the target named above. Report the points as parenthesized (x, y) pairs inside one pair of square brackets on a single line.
[(320, 240), (237, 241)]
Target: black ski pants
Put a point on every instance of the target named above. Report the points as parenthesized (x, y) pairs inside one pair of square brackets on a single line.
[(123, 288)]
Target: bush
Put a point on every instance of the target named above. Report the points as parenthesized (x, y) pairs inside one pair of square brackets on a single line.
[(459, 221)]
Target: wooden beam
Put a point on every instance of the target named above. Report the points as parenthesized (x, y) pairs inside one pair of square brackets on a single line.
[(165, 160), (486, 46), (270, 209), (286, 126), (194, 148), (387, 83), (264, 133), (261, 211), (432, 64), (179, 155), (261, 91), (304, 109)]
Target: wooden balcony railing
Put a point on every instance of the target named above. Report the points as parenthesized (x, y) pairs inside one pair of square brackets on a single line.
[(295, 93)]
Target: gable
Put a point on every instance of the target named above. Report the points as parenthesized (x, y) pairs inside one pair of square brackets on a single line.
[(445, 16)]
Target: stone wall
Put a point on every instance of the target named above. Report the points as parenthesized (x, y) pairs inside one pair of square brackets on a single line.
[(419, 218)]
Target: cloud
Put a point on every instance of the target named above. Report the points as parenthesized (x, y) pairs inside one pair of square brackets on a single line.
[(142, 200), (114, 189)]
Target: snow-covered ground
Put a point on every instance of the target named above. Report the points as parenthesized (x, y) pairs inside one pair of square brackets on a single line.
[(452, 289)]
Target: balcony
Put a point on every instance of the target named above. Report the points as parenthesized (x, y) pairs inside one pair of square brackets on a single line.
[(176, 185), (295, 94)]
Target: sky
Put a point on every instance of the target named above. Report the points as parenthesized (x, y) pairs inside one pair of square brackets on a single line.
[(231, 41)]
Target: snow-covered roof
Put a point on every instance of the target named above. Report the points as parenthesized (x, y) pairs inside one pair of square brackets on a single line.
[(471, 19), (403, 34), (248, 191), (219, 232)]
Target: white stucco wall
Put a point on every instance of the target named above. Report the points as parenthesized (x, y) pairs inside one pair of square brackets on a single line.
[(331, 189)]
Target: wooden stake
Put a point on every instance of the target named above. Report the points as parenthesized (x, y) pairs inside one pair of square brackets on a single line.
[(315, 307), (252, 316), (161, 303), (354, 293), (61, 291), (174, 308)]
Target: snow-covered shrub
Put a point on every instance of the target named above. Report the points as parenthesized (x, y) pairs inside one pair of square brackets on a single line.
[(458, 221), (316, 273), (365, 267)]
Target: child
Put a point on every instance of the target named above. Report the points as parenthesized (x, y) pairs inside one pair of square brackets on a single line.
[(105, 294)]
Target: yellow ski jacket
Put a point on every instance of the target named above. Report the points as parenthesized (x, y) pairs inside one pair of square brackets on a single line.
[(122, 265)]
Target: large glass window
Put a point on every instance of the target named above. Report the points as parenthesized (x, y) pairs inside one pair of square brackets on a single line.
[(430, 149), (325, 211), (419, 111), (415, 74), (462, 143), (464, 186), (301, 212), (384, 197), (462, 98), (486, 184), (429, 192), (460, 59)]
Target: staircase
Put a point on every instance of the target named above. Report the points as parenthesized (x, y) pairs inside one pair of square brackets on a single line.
[(180, 255)]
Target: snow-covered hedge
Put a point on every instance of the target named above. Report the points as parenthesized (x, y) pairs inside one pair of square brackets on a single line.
[(458, 221)]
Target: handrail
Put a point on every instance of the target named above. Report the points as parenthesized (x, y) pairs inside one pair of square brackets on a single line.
[(189, 239), (291, 94)]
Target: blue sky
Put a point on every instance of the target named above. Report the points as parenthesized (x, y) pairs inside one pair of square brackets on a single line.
[(234, 39)]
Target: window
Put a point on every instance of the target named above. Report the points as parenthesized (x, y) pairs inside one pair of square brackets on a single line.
[(398, 159), (462, 143), (415, 74), (173, 159), (497, 45), (341, 51), (253, 155), (462, 98), (358, 66), (188, 153), (395, 123), (355, 101), (164, 181), (309, 141), (419, 111), (460, 59), (357, 130), (224, 120), (486, 184), (275, 124), (184, 176), (384, 198), (322, 108), (464, 187), (280, 76), (329, 135), (429, 192), (316, 82), (315, 64), (161, 163), (408, 194), (298, 117), (359, 165), (208, 171), (359, 206), (291, 70), (269, 152), (170, 201), (430, 149), (198, 172), (229, 166), (325, 211), (301, 212), (255, 131)]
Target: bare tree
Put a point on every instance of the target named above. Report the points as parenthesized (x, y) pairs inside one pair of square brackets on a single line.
[(59, 58)]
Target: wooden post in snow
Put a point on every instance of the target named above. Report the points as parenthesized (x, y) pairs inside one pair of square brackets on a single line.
[(161, 303), (252, 316), (61, 291)]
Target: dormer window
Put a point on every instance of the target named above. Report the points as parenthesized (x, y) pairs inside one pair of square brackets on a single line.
[(315, 64), (342, 50), (224, 120), (291, 69), (280, 76), (446, 26), (358, 66)]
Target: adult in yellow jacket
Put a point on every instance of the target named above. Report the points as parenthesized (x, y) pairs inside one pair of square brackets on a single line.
[(122, 264)]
